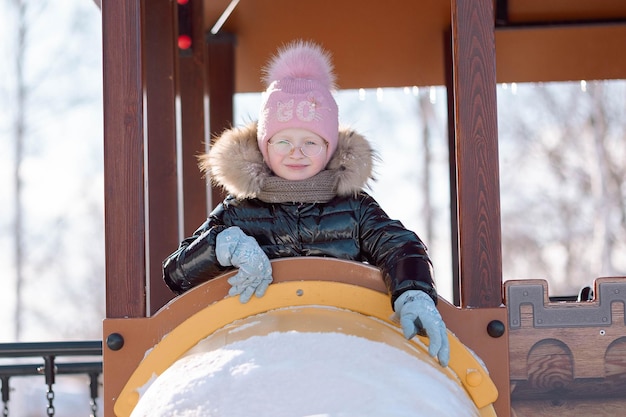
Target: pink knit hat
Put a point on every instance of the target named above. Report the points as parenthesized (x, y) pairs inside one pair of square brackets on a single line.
[(299, 81)]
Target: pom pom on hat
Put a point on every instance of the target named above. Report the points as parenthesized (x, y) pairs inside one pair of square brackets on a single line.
[(301, 59), (299, 80)]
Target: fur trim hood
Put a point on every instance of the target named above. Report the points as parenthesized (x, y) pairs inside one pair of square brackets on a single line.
[(235, 163)]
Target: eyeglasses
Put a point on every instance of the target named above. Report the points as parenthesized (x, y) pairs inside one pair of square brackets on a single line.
[(310, 148)]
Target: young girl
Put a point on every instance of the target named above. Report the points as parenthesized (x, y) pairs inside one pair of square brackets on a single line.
[(295, 182)]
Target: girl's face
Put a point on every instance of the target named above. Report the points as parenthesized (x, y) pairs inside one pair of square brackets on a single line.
[(296, 154)]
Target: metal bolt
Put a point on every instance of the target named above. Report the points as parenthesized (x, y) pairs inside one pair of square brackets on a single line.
[(115, 341), (495, 328)]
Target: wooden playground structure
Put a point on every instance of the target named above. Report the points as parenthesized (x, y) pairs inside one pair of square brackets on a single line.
[(162, 103)]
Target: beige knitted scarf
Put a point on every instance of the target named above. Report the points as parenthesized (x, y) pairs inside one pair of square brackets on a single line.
[(318, 189)]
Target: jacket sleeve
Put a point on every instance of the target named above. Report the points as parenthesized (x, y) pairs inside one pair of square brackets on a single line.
[(397, 251), (195, 262)]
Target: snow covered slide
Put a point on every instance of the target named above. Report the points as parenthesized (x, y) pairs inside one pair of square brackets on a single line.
[(318, 347)]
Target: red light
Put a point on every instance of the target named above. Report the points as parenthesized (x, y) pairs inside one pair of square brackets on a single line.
[(184, 42), (182, 2)]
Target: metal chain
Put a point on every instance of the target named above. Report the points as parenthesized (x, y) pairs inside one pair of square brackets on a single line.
[(94, 384), (50, 397), (49, 370), (94, 408), (5, 410)]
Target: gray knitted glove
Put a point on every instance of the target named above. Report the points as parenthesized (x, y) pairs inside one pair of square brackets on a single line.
[(418, 313), (234, 247)]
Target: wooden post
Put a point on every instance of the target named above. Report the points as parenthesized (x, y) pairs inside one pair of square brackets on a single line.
[(475, 153), (221, 88), (161, 177), (192, 88), (124, 159)]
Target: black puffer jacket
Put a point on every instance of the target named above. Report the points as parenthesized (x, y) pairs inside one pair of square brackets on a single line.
[(350, 226)]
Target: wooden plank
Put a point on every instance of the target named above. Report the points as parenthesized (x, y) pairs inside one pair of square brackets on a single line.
[(373, 43), (123, 159), (192, 92), (221, 89), (566, 351), (162, 210), (475, 116), (567, 53), (589, 348), (365, 33)]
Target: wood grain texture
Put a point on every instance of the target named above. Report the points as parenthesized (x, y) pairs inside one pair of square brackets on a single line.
[(476, 148), (568, 370), (615, 362), (124, 159)]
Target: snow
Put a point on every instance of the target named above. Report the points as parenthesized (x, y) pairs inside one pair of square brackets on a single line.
[(298, 374)]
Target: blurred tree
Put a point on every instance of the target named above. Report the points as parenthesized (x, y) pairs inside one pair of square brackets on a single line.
[(53, 99), (563, 165), (19, 133)]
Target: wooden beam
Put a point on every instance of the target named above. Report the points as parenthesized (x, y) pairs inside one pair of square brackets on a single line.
[(563, 53), (192, 93), (221, 89), (123, 159), (162, 199), (476, 153)]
